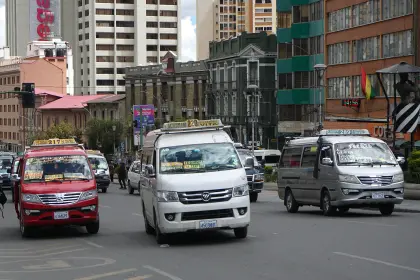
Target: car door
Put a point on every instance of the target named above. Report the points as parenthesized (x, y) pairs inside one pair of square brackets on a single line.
[(326, 175), (146, 188)]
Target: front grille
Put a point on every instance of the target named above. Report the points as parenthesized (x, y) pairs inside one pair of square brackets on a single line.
[(250, 178), (375, 180), (59, 198), (198, 197), (204, 215)]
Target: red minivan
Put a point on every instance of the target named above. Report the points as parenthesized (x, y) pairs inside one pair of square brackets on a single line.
[(56, 186)]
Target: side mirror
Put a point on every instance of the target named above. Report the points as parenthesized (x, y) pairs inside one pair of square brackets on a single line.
[(401, 160), (150, 171), (327, 161), (249, 163)]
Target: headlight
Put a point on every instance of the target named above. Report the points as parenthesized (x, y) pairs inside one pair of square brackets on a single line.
[(241, 190), (259, 177), (32, 198), (166, 196), (398, 178), (348, 179), (88, 195)]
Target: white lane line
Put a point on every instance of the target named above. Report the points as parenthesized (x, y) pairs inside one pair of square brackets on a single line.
[(99, 276), (92, 244), (161, 272), (45, 255), (365, 223), (252, 236), (140, 277), (378, 261), (104, 206), (137, 214)]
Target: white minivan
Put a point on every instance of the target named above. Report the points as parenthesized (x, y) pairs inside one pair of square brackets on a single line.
[(193, 180)]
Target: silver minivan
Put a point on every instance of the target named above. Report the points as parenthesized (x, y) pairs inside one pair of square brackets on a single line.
[(339, 170)]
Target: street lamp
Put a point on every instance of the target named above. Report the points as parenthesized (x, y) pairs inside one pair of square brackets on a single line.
[(320, 70), (114, 128)]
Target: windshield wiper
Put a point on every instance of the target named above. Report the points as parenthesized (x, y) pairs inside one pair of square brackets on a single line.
[(222, 167), (77, 179), (54, 180), (383, 163)]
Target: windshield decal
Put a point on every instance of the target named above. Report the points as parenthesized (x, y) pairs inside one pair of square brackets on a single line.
[(33, 175), (193, 164), (53, 177)]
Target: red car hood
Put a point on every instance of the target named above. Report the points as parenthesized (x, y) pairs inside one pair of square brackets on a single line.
[(53, 187)]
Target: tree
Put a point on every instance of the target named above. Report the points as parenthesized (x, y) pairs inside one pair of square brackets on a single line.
[(101, 136), (63, 130)]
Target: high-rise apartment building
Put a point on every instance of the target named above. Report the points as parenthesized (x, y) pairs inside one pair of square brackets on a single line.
[(223, 19)]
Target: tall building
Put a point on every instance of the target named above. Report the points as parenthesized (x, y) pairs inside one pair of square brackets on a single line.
[(369, 35), (223, 19), (114, 34), (300, 37)]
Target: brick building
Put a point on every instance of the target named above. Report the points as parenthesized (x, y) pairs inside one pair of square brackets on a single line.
[(371, 34)]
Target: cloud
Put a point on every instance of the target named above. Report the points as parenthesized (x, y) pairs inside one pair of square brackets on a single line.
[(187, 8), (2, 24), (188, 34)]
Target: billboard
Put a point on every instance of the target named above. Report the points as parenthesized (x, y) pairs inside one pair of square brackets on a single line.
[(148, 112), (44, 19)]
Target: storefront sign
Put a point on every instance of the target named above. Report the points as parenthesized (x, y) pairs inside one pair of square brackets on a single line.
[(44, 19), (355, 103), (380, 132)]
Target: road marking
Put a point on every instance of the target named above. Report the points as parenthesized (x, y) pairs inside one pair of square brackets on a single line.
[(137, 214), (45, 255), (378, 261), (161, 272), (48, 265), (56, 248), (92, 244), (140, 277), (365, 223), (104, 206), (99, 276), (253, 236)]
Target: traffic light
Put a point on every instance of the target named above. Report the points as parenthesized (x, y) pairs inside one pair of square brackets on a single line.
[(135, 124), (28, 97)]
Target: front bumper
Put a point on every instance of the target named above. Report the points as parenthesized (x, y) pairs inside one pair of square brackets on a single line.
[(102, 182), (365, 195), (187, 217), (43, 215), (255, 187), (6, 183)]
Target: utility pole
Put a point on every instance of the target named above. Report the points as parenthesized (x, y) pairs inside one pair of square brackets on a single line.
[(141, 129)]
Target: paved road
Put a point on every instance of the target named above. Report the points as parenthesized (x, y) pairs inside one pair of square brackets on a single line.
[(306, 245)]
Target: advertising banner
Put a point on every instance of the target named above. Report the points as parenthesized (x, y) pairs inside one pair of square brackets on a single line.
[(44, 19), (148, 112)]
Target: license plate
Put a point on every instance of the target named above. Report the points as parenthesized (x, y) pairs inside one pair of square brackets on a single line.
[(378, 195), (207, 224), (61, 215)]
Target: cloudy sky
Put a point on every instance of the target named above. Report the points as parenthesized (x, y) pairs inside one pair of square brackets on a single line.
[(187, 28)]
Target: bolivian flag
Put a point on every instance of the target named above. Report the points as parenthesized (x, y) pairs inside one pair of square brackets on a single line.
[(367, 88)]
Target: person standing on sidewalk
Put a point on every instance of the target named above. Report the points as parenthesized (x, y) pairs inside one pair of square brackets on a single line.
[(122, 175)]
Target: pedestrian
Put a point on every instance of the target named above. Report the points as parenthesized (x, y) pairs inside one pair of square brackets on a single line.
[(111, 171), (122, 175)]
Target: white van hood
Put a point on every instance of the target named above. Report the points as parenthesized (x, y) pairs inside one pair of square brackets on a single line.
[(202, 181)]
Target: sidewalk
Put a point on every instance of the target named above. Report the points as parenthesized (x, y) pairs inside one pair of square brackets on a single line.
[(411, 204)]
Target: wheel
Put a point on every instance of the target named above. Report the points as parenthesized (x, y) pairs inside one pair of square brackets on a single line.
[(93, 228), (160, 237), (253, 197), (327, 209), (147, 226), (130, 189), (25, 231), (343, 210), (291, 203), (241, 233), (387, 210), (104, 190)]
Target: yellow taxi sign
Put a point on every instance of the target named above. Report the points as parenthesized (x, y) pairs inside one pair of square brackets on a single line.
[(93, 152), (192, 124), (54, 141)]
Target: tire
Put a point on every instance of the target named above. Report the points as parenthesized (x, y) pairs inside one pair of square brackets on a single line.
[(25, 231), (327, 209), (241, 233), (291, 203), (160, 237), (93, 228), (386, 210), (343, 210), (253, 197), (149, 229), (104, 190), (130, 189)]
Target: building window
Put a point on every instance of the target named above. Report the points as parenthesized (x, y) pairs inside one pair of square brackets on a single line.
[(316, 45), (301, 47), (253, 73), (284, 20), (234, 100), (398, 44), (339, 87), (301, 79), (366, 49), (396, 8), (310, 12), (339, 53), (285, 81)]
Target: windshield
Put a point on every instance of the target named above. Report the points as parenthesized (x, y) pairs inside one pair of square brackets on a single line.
[(57, 168), (272, 159), (198, 158), (243, 155), (98, 163), (6, 162), (364, 153), (3, 171)]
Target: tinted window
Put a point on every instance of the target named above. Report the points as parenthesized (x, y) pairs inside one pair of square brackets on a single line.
[(309, 156), (291, 158)]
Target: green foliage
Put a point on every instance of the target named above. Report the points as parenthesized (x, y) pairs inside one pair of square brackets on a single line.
[(101, 136), (414, 167), (63, 130), (268, 170)]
